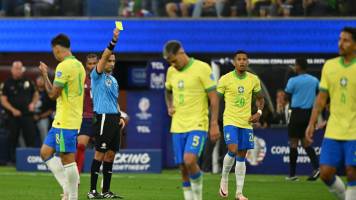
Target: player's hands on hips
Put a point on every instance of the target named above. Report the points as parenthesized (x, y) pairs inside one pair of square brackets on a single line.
[(214, 132), (43, 68), (309, 132), (122, 123), (171, 111), (255, 118), (116, 34)]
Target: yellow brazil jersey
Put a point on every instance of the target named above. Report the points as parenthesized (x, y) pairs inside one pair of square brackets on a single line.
[(339, 81), (70, 75), (237, 92), (190, 100)]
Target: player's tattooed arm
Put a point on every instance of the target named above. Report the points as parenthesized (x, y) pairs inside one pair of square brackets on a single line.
[(53, 91)]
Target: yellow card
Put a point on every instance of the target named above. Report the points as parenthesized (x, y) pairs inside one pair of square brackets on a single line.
[(119, 25)]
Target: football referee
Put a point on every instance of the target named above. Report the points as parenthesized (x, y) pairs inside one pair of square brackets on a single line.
[(105, 90), (302, 89)]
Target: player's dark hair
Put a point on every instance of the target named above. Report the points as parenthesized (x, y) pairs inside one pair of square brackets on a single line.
[(61, 40), (91, 55), (171, 48), (240, 52), (302, 63), (350, 30)]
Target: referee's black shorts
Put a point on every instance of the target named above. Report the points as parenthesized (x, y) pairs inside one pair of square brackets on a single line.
[(298, 122), (107, 132)]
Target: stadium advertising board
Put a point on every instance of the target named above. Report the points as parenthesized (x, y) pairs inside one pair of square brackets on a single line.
[(137, 160), (271, 153)]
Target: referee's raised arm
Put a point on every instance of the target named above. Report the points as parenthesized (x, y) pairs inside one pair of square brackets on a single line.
[(108, 51)]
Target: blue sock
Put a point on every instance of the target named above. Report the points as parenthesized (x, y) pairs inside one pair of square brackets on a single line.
[(186, 183), (231, 154), (351, 183), (196, 176), (240, 159)]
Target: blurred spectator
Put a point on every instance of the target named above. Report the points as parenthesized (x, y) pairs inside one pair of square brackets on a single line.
[(288, 8), (282, 108), (260, 8), (208, 8), (44, 109), (151, 8), (30, 7), (233, 8), (19, 98), (317, 8), (182, 8)]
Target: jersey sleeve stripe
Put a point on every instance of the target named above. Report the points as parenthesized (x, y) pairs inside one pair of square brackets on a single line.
[(57, 83), (220, 94), (321, 89), (212, 88)]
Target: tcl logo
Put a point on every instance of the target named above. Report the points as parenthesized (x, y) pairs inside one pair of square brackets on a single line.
[(143, 129)]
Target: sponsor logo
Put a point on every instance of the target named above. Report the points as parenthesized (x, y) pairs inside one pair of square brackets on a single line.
[(144, 105), (132, 162), (103, 145), (157, 65), (143, 129), (256, 156), (157, 81)]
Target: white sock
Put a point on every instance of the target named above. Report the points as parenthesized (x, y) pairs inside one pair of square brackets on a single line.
[(338, 188), (188, 193), (72, 175), (240, 171), (55, 165), (197, 185), (351, 193), (227, 165)]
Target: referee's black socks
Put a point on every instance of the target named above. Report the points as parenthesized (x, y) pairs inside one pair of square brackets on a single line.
[(95, 170), (293, 155), (313, 159), (107, 172)]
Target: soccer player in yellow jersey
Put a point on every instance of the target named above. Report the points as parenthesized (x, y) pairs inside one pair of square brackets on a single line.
[(189, 85), (338, 83), (68, 90), (238, 88)]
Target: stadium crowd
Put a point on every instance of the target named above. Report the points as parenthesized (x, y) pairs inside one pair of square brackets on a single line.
[(181, 8)]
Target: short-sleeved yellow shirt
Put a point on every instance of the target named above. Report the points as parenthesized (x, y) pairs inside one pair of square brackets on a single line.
[(237, 92), (190, 86), (69, 75), (339, 81)]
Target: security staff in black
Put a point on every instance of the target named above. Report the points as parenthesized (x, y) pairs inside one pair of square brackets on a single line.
[(105, 90), (19, 98), (303, 89)]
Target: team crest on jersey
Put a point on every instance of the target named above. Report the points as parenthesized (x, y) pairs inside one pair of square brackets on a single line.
[(241, 89), (108, 82), (181, 84), (343, 82)]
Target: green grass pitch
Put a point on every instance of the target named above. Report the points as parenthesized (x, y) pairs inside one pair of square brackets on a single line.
[(166, 186)]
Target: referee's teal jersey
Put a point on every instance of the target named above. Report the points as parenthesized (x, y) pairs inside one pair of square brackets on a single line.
[(105, 90)]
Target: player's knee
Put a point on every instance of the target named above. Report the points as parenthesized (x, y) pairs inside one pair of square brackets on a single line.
[(189, 161), (45, 154), (326, 175), (109, 156), (351, 173)]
